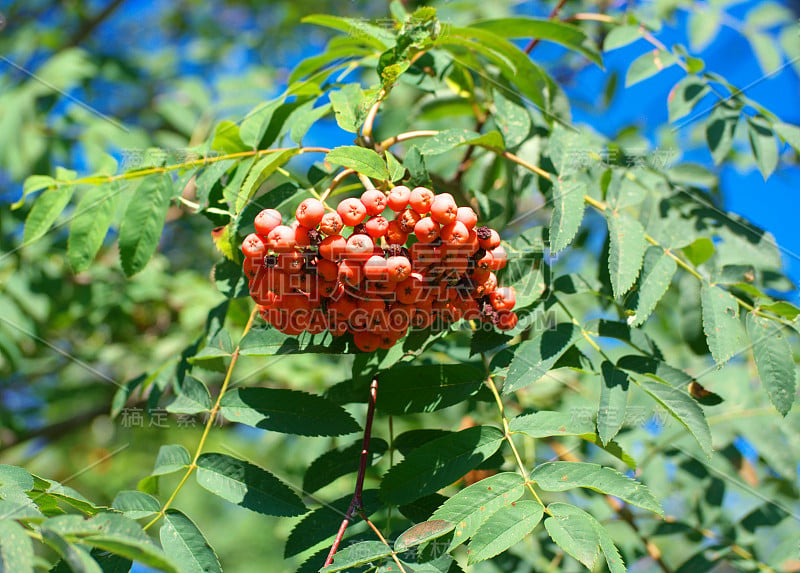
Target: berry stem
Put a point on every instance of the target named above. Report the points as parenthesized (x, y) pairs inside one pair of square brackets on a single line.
[(341, 176), (356, 506), (211, 417)]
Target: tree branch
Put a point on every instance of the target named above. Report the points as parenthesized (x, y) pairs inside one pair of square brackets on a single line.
[(356, 503)]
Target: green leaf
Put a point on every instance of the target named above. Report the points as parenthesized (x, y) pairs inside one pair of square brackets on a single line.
[(581, 535), (683, 408), (439, 463), (774, 361), (703, 26), (357, 554), (505, 528), (304, 121), (720, 129), (470, 507), (789, 133), (171, 458), (46, 209), (621, 36), (227, 139), (513, 120), (721, 323), (269, 342), (613, 401), (33, 183), (446, 140), (260, 172), (322, 523), (209, 177), (657, 272), (248, 486), (422, 532), (255, 124), (184, 542), (627, 247), (363, 160), (766, 50), (143, 222), (16, 476), (76, 557), (230, 280), (782, 308), (648, 65), (763, 144), (568, 35), (193, 398), (375, 36), (535, 357), (547, 424), (136, 504), (350, 106), (562, 476), (93, 216), (396, 169), (410, 389), (339, 462), (686, 94), (16, 548), (287, 411), (568, 209), (699, 251), (574, 531)]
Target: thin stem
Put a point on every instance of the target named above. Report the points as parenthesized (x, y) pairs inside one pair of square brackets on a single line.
[(211, 417), (341, 176), (535, 41), (383, 540), (366, 129), (538, 170), (97, 179), (355, 504), (507, 432), (386, 143)]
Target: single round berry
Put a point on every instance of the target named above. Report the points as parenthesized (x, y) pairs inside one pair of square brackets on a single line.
[(455, 233), (503, 298), (366, 341), (331, 223), (410, 290), (281, 239), (350, 273), (352, 211), (267, 220), (507, 320), (309, 212), (301, 235), (398, 198), (359, 247), (421, 199), (395, 235), (499, 258), (444, 209), (399, 268), (328, 270), (426, 230), (333, 247), (374, 201), (467, 216), (375, 268), (488, 238), (407, 219), (254, 246), (376, 227), (291, 262)]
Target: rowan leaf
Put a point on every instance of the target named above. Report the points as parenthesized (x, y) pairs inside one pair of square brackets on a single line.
[(627, 247), (287, 411), (568, 209), (93, 216), (505, 528), (535, 357), (143, 222), (721, 323), (183, 541), (658, 268), (774, 361)]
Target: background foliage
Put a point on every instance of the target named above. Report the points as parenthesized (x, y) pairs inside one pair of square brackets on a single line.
[(660, 342)]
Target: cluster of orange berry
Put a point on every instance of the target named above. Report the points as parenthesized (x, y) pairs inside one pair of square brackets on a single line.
[(313, 276)]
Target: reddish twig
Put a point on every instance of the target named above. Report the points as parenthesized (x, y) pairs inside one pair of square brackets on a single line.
[(535, 41), (355, 503)]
